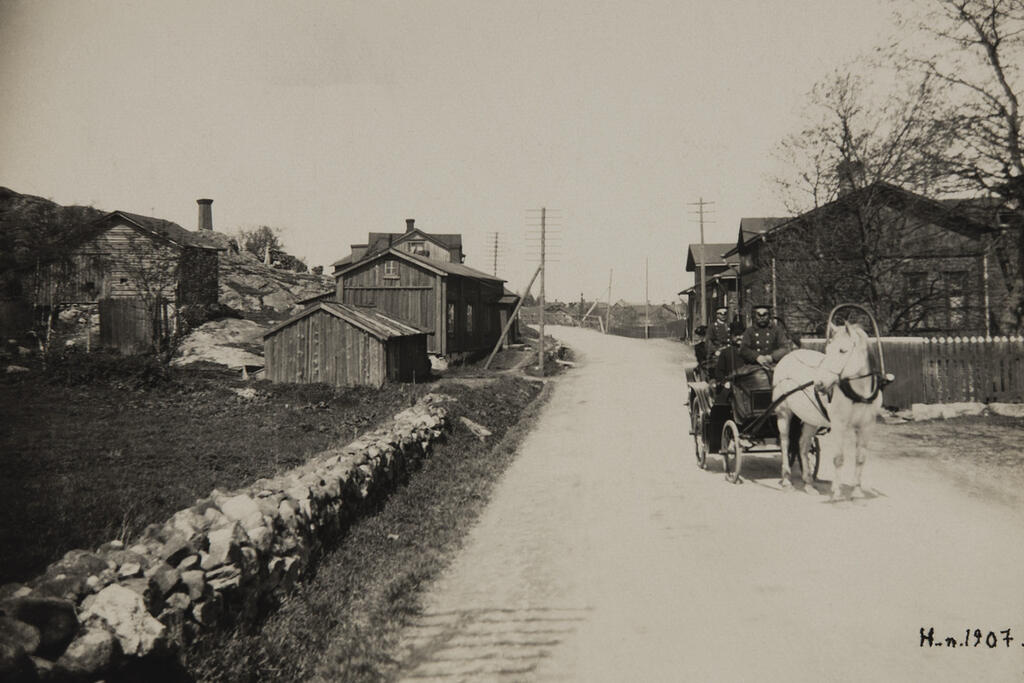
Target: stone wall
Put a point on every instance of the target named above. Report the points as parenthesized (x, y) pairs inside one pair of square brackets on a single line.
[(209, 566)]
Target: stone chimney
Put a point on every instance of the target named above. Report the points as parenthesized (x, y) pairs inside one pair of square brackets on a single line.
[(409, 224), (205, 214)]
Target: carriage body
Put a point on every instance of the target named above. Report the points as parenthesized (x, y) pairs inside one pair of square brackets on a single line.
[(734, 417)]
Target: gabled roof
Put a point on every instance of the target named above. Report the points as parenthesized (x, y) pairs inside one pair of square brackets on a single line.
[(709, 254), (752, 227), (377, 242), (442, 268), (366, 318), (941, 213), (158, 227)]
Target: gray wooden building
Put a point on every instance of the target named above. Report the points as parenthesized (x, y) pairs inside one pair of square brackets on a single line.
[(461, 308), (345, 345)]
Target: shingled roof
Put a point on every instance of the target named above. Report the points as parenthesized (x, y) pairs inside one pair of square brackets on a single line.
[(440, 267), (709, 255), (366, 318), (172, 232)]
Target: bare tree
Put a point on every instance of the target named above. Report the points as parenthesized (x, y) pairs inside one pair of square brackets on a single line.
[(152, 269), (975, 50), (856, 237)]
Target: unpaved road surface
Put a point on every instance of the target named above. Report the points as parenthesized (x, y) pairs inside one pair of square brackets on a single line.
[(606, 555)]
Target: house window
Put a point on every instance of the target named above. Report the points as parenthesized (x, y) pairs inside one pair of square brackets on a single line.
[(418, 247), (391, 270), (956, 288), (469, 319), (450, 319), (917, 298)]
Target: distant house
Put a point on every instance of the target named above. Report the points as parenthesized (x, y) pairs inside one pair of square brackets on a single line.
[(438, 247), (461, 308), (345, 345), (719, 279), (930, 264), (124, 255)]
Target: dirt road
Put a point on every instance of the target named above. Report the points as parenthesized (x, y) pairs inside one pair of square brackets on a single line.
[(606, 555)]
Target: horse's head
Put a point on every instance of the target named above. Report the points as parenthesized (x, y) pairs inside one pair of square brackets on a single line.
[(846, 355)]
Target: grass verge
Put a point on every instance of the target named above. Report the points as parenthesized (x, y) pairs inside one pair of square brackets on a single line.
[(342, 624)]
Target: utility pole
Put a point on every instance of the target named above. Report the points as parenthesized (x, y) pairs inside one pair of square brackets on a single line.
[(608, 313), (495, 255), (700, 204), (647, 298), (543, 238)]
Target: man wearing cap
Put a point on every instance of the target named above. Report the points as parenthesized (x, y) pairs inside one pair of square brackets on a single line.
[(718, 334), (764, 343)]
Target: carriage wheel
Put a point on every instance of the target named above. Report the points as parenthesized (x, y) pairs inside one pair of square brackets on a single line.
[(732, 451), (700, 446), (815, 452)]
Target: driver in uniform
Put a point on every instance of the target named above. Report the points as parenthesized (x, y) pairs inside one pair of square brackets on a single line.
[(764, 343)]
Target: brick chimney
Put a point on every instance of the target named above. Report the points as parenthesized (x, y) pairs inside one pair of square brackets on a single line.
[(409, 223), (205, 214)]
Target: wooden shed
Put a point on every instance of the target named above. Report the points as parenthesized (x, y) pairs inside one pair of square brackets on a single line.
[(345, 345)]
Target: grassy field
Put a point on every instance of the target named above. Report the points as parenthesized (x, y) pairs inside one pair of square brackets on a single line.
[(95, 448)]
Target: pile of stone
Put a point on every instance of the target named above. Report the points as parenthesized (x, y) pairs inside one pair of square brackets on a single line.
[(211, 565)]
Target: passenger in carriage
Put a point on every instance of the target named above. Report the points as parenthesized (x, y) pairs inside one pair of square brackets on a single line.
[(764, 343), (718, 337)]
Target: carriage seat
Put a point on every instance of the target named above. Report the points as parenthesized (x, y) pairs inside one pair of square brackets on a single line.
[(752, 391)]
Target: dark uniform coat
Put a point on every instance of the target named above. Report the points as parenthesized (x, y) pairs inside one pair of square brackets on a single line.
[(763, 341), (718, 337)]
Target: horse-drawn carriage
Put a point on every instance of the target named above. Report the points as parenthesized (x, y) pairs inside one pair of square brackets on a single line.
[(731, 414), (739, 410)]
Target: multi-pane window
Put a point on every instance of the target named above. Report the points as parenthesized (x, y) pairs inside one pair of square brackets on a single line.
[(391, 278), (418, 247), (956, 298)]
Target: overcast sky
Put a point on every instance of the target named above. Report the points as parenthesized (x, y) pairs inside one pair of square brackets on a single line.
[(331, 119)]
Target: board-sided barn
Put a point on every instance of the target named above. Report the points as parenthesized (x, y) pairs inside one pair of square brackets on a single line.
[(345, 345), (463, 309)]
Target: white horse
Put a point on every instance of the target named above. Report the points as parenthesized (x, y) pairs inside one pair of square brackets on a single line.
[(836, 389), (794, 377), (856, 397)]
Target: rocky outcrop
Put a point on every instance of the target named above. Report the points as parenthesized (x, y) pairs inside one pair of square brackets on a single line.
[(210, 565), (246, 284)]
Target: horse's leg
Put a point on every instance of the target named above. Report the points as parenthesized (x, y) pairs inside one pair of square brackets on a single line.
[(841, 437), (783, 417), (806, 438), (861, 433)]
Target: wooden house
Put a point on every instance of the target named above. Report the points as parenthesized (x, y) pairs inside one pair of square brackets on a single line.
[(719, 285), (435, 246), (460, 307), (922, 266), (125, 255), (345, 345)]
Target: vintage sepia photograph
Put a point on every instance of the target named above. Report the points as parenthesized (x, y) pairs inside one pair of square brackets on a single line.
[(511, 340)]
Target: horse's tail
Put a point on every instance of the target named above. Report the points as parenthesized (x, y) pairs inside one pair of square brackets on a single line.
[(796, 426)]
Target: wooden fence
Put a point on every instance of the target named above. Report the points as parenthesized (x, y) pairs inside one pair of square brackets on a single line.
[(126, 324), (674, 329), (950, 369)]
